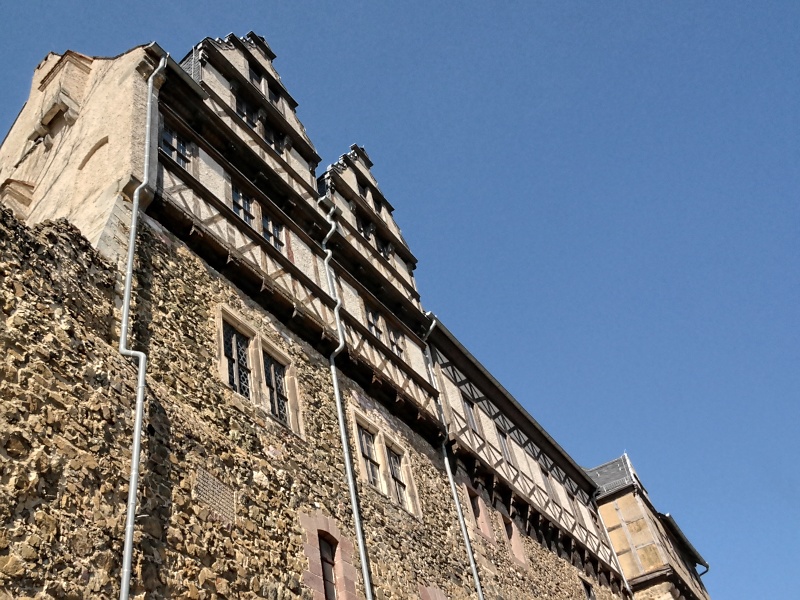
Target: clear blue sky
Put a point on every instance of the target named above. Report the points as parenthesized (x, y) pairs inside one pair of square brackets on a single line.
[(604, 200)]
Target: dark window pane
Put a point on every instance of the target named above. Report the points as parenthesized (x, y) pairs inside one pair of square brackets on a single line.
[(235, 347)]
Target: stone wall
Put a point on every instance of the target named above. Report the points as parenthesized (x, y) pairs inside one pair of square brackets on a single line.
[(227, 493)]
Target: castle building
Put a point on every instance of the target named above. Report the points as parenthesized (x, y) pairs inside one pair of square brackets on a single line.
[(310, 430)]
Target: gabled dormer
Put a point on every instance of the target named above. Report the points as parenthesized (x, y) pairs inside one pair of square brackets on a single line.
[(376, 243), (240, 78)]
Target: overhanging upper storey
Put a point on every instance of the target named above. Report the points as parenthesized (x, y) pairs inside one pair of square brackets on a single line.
[(373, 247), (248, 203), (508, 451), (238, 74)]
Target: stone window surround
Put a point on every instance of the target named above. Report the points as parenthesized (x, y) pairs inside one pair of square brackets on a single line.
[(513, 530), (259, 345), (513, 538), (383, 441), (588, 589), (346, 574), (482, 523)]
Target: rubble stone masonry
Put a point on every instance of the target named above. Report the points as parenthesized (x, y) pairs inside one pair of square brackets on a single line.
[(231, 500)]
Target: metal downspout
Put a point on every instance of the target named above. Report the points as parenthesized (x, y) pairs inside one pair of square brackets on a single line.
[(348, 460), (445, 457), (140, 357)]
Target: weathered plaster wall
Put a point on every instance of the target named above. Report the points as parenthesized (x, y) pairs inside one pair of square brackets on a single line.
[(79, 138), (642, 544)]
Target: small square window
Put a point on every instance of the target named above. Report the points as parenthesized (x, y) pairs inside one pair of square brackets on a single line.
[(272, 231), (362, 189), (175, 146), (236, 348), (374, 322), (242, 205)]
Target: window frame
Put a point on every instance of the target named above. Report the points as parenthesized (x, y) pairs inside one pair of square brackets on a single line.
[(275, 387), (588, 589), (365, 227), (172, 147), (242, 205), (369, 455), (246, 111), (375, 321), (388, 477), (316, 525), (473, 420), (479, 511), (255, 77), (397, 342), (273, 95), (506, 450), (324, 540), (383, 247), (260, 348), (233, 367), (273, 230), (397, 484)]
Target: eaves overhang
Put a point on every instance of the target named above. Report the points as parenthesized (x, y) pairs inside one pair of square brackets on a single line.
[(444, 339), (672, 526), (401, 248), (276, 81), (300, 141), (363, 154), (173, 67)]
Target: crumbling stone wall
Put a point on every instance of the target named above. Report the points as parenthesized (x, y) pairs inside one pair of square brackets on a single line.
[(65, 404), (223, 487)]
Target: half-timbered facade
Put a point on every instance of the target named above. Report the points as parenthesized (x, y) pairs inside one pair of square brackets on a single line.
[(287, 250)]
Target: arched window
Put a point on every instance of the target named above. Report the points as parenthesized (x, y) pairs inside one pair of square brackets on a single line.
[(327, 556)]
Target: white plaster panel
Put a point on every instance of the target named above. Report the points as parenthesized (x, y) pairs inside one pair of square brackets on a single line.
[(211, 174), (588, 520), (352, 301), (216, 81), (559, 490), (302, 256), (415, 357)]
